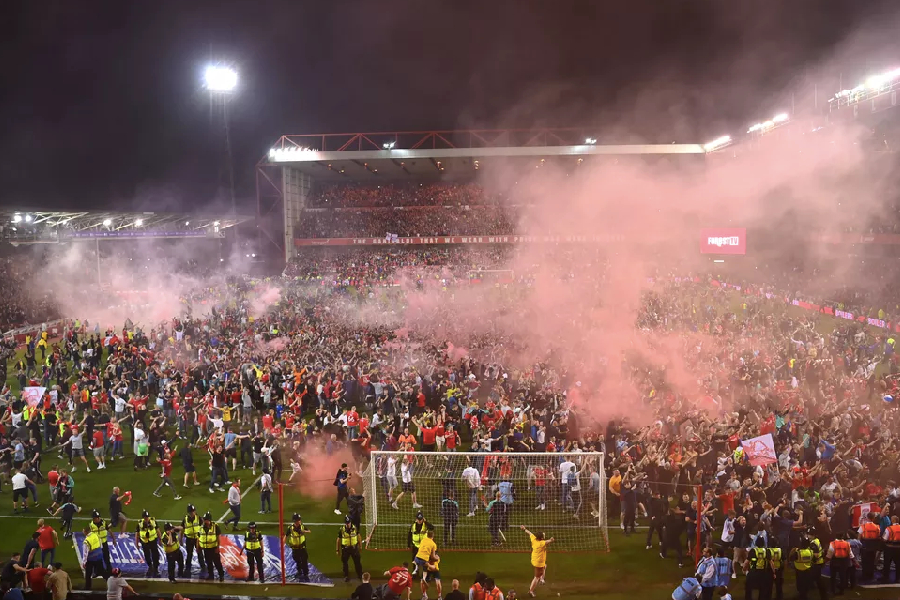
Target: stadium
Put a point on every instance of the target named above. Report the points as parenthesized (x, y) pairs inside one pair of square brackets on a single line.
[(450, 363)]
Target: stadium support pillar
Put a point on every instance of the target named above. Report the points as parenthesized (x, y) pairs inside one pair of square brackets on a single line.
[(297, 188), (697, 550), (97, 247), (281, 530)]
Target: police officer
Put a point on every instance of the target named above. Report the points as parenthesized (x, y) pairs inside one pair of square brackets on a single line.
[(759, 571), (803, 559), (148, 538), (818, 561), (173, 551), (348, 546), (101, 528), (93, 557), (253, 548), (190, 529), (416, 534), (208, 539), (778, 568), (295, 539)]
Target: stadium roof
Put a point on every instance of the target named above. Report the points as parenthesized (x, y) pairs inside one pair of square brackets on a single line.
[(422, 154), (36, 225)]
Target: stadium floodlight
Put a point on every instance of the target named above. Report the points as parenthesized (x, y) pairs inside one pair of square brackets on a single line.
[(717, 143), (388, 145), (876, 82), (107, 222), (780, 118), (138, 222), (28, 218), (590, 141), (186, 223), (215, 223), (17, 218), (220, 79)]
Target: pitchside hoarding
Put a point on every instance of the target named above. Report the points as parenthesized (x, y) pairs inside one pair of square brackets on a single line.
[(130, 559), (723, 240)]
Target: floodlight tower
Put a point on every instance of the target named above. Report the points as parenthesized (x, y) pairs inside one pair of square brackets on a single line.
[(221, 81)]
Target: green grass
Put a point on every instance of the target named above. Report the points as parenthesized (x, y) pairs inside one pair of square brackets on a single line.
[(627, 571)]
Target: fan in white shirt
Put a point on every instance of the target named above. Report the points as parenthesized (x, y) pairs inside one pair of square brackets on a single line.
[(728, 530), (390, 475)]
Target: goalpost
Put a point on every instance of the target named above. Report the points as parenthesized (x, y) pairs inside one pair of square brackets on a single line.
[(560, 494)]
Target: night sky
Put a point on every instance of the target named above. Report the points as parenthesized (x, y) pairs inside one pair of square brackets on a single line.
[(102, 104)]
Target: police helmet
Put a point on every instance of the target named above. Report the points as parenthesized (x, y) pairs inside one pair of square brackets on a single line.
[(146, 513), (252, 524), (95, 514), (347, 519), (296, 517), (190, 508), (207, 517), (419, 516), (168, 527)]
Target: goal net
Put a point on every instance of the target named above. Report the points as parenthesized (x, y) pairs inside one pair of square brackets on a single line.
[(479, 500)]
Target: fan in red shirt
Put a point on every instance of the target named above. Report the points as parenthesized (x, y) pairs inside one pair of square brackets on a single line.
[(451, 439), (166, 465), (36, 580), (352, 423), (400, 580), (429, 432), (98, 444)]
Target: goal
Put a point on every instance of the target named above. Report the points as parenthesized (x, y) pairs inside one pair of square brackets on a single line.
[(479, 500)]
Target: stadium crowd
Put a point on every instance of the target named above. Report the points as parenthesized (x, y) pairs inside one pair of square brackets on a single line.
[(401, 194), (407, 222), (312, 369)]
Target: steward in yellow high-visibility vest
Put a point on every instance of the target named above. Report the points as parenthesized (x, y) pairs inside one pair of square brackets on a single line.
[(190, 530), (416, 534), (101, 528), (348, 545), (147, 538), (93, 558), (778, 566), (208, 538), (803, 560), (295, 539), (253, 548), (759, 575), (173, 551), (818, 559)]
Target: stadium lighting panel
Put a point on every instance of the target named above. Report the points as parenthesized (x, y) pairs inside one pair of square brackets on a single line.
[(717, 143), (220, 79)]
